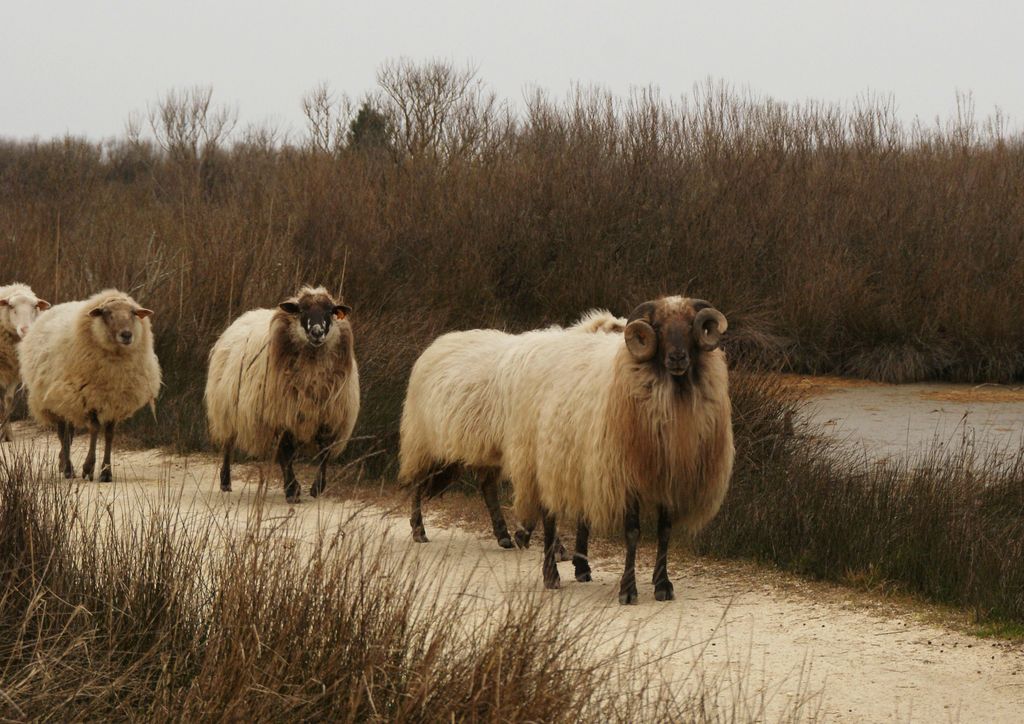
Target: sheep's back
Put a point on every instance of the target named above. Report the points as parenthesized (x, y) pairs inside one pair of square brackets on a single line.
[(453, 411), (557, 452), (237, 372)]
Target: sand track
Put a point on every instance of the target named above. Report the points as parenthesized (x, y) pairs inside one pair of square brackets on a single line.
[(761, 635)]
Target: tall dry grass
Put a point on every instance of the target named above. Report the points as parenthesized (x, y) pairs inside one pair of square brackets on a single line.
[(946, 524), (836, 239), (131, 611)]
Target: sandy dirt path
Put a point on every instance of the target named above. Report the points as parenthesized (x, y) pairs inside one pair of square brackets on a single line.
[(765, 638)]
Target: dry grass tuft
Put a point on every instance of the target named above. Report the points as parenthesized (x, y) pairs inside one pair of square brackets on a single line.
[(133, 611)]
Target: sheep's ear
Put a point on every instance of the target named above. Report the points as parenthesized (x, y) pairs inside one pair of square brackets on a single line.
[(142, 312), (342, 310), (42, 305), (641, 340), (96, 312), (290, 307)]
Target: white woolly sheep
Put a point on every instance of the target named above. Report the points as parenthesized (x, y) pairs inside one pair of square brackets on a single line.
[(90, 364), (435, 476), (587, 426), (285, 378), (19, 307)]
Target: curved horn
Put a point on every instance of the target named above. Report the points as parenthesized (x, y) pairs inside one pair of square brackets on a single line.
[(708, 327), (644, 311), (641, 340)]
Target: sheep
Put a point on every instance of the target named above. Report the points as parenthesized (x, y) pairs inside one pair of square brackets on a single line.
[(587, 426), (285, 378), (90, 364), (429, 472), (19, 307)]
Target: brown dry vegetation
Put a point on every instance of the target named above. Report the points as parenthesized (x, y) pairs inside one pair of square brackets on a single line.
[(109, 613), (836, 240)]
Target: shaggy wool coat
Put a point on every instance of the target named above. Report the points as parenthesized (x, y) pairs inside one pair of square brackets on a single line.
[(573, 421), (259, 386), (71, 367)]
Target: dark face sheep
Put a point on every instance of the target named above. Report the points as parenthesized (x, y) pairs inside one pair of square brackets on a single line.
[(315, 313), (672, 332), (116, 321)]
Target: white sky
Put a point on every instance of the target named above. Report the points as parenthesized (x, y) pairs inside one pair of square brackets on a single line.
[(81, 66)]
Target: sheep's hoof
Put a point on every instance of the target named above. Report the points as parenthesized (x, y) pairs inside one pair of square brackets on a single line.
[(69, 472), (293, 499), (522, 539), (106, 476), (225, 488), (628, 598), (506, 542), (314, 491), (420, 536), (552, 583), (664, 592), (87, 475), (584, 577)]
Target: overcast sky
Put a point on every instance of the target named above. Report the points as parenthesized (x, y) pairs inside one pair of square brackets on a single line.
[(80, 67)]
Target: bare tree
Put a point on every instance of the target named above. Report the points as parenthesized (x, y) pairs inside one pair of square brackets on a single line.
[(327, 118), (186, 124), (436, 108)]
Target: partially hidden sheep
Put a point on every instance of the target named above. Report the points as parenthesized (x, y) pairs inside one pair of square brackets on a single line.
[(428, 467), (586, 426), (90, 364), (19, 307), (282, 379)]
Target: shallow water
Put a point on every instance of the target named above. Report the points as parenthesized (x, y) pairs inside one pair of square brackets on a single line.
[(907, 420)]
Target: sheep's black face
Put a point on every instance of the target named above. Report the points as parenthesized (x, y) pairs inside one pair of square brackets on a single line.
[(315, 313), (672, 333)]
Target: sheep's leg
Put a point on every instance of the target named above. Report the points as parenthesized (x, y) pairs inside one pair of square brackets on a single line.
[(550, 567), (523, 534), (631, 520), (429, 482), (6, 404), (225, 468), (489, 488), (106, 473), (525, 531), (419, 533), (324, 441), (580, 559), (66, 433), (90, 460), (285, 456), (663, 590)]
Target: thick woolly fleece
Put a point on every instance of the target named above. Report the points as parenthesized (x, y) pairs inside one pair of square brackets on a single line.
[(72, 368), (573, 421), (264, 380)]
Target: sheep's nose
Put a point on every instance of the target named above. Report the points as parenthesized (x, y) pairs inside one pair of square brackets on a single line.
[(23, 330), (316, 331), (126, 337), (678, 362)]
